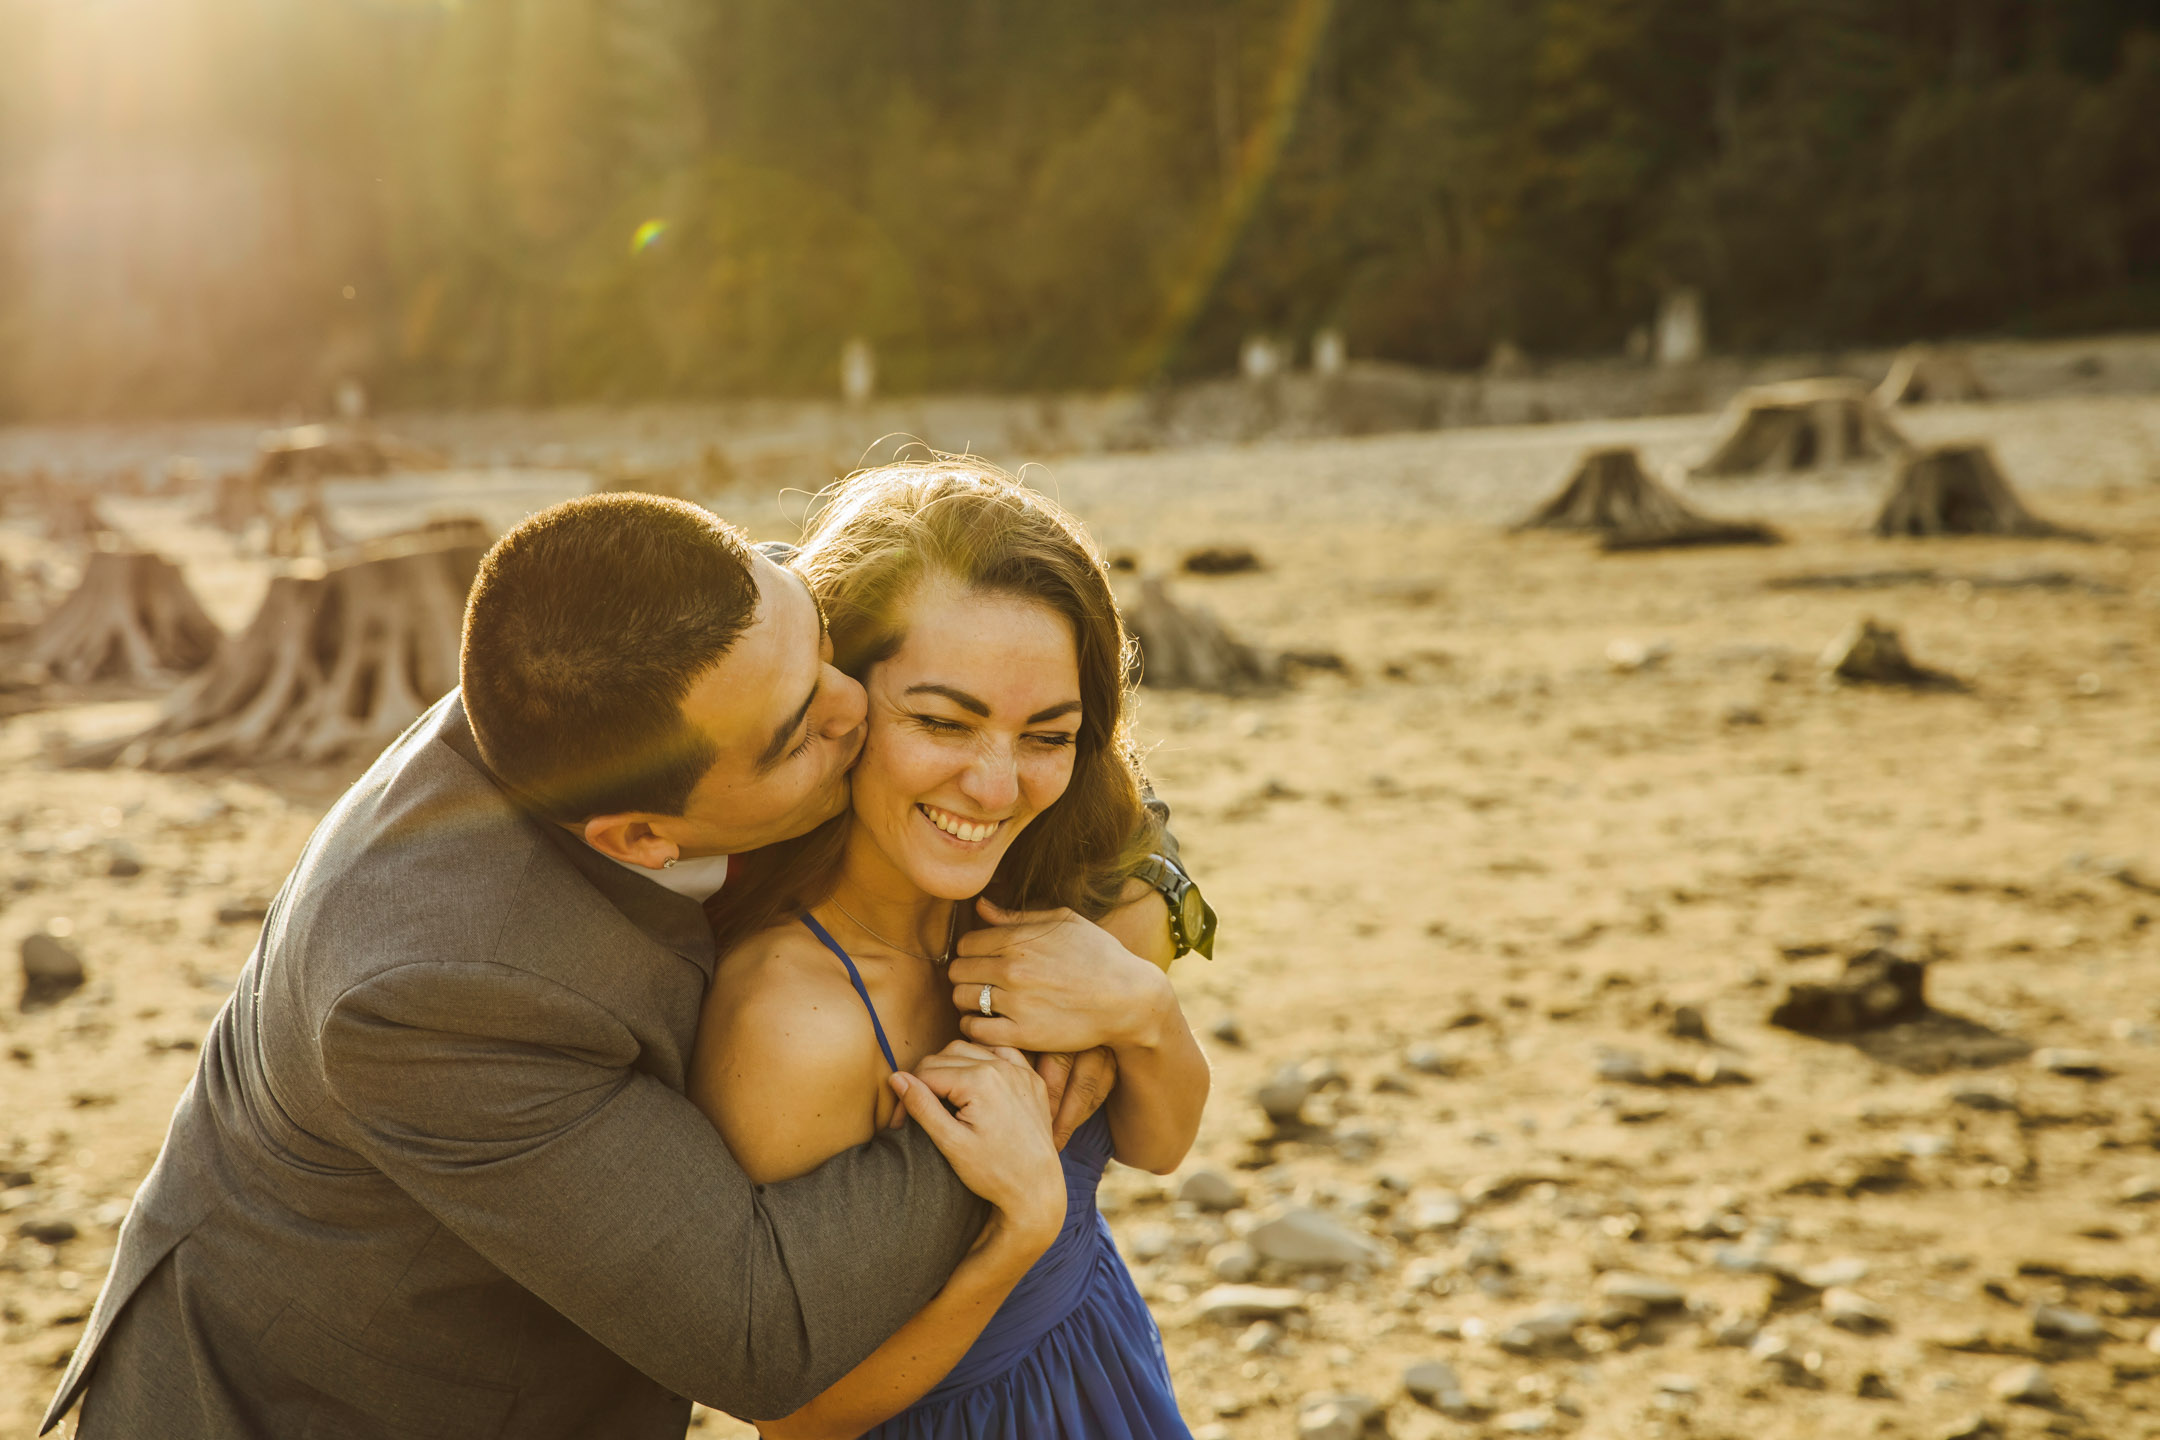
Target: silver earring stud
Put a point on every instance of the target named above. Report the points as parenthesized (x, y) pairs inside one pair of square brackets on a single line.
[(667, 864)]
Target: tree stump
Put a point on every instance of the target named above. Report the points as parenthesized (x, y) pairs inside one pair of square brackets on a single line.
[(1184, 647), (1958, 490), (316, 451), (1612, 495), (132, 620), (1799, 425), (336, 662), (1922, 375), (1872, 654)]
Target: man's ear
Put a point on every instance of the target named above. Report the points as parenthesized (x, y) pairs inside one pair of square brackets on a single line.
[(629, 838)]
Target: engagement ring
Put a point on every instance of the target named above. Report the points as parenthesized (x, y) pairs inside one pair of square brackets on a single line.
[(982, 1001)]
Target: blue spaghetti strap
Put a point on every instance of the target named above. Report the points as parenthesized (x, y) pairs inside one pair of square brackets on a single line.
[(854, 979)]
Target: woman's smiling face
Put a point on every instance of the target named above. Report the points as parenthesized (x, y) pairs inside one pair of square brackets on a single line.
[(972, 725)]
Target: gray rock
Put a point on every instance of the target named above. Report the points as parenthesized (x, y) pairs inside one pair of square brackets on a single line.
[(1309, 1240), (51, 970), (2060, 1322), (1233, 1261), (1442, 1210), (1688, 1023), (1428, 1380), (1329, 1420), (1262, 1337), (1846, 1270), (1227, 1030), (1428, 1059), (2024, 1385), (1850, 1310), (2143, 1190), (1237, 1304), (1872, 1386), (1546, 1329), (1211, 1190), (2082, 1064), (1150, 1242), (1621, 1067), (1283, 1098), (1973, 1427), (1642, 1293), (47, 1232), (1524, 1422), (1977, 1097), (126, 862)]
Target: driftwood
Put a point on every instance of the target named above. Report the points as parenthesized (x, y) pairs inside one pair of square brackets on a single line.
[(1878, 989), (1612, 495), (1922, 374), (1184, 647), (318, 451), (1800, 425), (338, 661), (1872, 654), (132, 620), (1958, 490)]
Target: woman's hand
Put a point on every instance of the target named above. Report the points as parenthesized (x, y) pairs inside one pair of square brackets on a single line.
[(1057, 983), (997, 1136)]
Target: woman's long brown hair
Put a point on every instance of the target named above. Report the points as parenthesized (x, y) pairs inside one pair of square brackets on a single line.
[(881, 534)]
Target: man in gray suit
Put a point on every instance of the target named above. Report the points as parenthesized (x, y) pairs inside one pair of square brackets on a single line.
[(435, 1174)]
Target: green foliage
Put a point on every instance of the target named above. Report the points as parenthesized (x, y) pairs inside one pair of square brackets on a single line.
[(561, 200)]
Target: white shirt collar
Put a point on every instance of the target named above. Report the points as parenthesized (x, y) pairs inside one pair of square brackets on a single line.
[(699, 879)]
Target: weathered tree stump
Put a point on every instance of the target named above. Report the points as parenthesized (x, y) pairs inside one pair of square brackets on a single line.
[(338, 661), (132, 620), (1184, 647), (1878, 988), (1872, 654), (1923, 374), (1958, 490), (1611, 495), (1799, 425), (317, 451)]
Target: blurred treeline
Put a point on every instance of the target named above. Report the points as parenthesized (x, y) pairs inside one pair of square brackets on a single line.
[(224, 204)]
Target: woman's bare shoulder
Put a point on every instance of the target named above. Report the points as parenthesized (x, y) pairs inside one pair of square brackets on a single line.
[(787, 1063)]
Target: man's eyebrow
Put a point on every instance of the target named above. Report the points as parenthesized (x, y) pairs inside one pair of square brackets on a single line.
[(783, 738), (1070, 707), (961, 698)]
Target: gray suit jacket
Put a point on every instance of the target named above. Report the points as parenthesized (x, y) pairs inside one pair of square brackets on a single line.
[(436, 1176)]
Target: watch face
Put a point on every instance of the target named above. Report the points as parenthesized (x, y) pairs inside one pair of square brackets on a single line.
[(1192, 913)]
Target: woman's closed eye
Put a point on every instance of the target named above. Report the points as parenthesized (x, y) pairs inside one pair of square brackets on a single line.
[(809, 738)]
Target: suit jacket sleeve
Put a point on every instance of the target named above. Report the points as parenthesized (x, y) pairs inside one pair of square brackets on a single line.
[(522, 1125)]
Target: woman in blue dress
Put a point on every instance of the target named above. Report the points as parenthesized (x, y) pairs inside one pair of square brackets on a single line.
[(996, 771)]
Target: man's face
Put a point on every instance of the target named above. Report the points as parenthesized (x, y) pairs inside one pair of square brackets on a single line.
[(786, 723)]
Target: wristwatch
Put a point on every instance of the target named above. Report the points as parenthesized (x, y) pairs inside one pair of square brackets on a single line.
[(1192, 920)]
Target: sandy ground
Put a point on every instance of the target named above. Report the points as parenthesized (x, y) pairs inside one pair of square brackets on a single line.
[(1463, 887)]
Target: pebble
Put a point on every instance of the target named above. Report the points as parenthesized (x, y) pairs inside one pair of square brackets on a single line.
[(51, 971), (1429, 1380), (1621, 1067), (1211, 1190), (2081, 1064), (1688, 1023), (2060, 1322), (1845, 1270), (1850, 1310), (2024, 1385), (1150, 1242), (1973, 1427), (1641, 1292), (1308, 1240), (1335, 1416), (1228, 1031), (1282, 1099), (1524, 1422), (1427, 1058), (47, 1232), (1980, 1098), (1262, 1337), (2143, 1190), (1543, 1330), (1430, 1212), (1233, 1261), (1240, 1303), (1872, 1386)]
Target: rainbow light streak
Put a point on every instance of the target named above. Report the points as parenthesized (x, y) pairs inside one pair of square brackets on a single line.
[(1257, 158), (646, 236)]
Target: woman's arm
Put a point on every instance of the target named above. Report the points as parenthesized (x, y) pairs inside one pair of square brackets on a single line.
[(998, 1139), (1061, 983)]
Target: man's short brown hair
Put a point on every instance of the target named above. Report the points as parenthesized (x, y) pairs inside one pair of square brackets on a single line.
[(586, 627)]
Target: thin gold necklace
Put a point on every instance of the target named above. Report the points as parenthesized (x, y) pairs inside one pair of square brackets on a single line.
[(952, 936)]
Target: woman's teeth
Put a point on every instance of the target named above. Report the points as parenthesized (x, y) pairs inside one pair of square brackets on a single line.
[(958, 828)]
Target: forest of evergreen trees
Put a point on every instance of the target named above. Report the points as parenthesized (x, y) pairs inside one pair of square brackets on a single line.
[(222, 205)]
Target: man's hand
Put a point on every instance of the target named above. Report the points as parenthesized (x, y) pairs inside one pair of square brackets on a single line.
[(1057, 983), (1078, 1085)]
